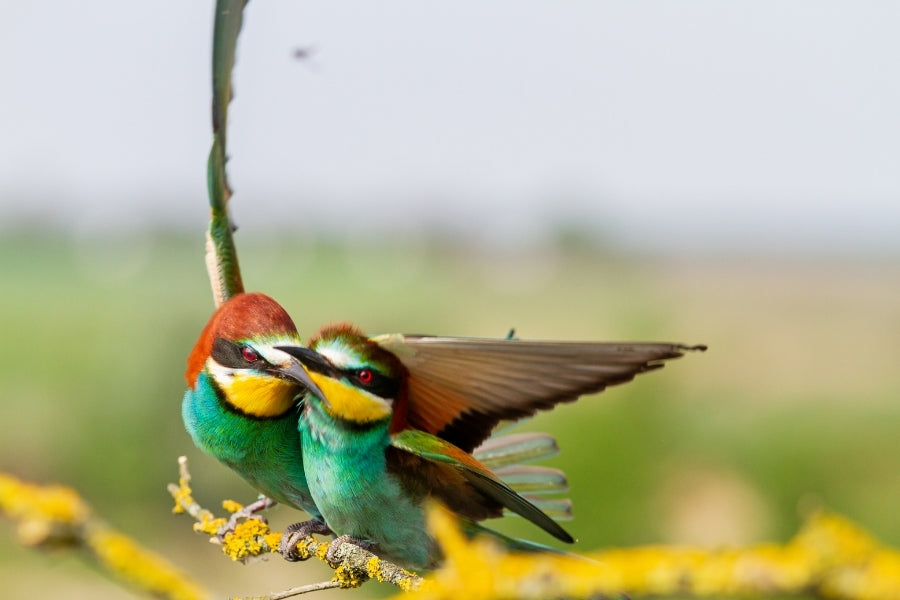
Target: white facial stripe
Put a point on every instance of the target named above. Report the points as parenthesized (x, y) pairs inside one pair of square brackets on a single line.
[(338, 355), (221, 374), (274, 356)]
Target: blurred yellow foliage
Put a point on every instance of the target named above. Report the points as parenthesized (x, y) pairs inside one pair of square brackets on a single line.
[(56, 516), (830, 557), (44, 514)]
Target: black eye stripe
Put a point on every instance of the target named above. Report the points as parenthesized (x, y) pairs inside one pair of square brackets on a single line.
[(381, 385), (230, 354)]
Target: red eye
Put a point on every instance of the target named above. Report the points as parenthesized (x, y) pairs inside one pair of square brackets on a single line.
[(366, 376), (249, 354)]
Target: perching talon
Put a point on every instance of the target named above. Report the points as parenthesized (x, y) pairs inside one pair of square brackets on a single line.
[(296, 532)]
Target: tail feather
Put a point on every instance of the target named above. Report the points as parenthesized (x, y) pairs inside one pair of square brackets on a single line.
[(504, 454), (533, 479), (512, 544), (517, 448), (558, 509)]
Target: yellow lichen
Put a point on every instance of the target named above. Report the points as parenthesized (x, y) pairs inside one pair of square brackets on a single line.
[(209, 524), (140, 567), (347, 578), (232, 506), (247, 539), (51, 514), (301, 548), (373, 568), (877, 580), (409, 585), (322, 552), (25, 502), (182, 497), (273, 540), (830, 557), (835, 539), (57, 514)]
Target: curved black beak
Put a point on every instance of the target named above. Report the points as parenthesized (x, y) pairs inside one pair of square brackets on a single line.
[(303, 361), (311, 359)]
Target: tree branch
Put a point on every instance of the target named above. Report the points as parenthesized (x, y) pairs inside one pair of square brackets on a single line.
[(830, 557), (54, 516), (252, 539), (297, 591)]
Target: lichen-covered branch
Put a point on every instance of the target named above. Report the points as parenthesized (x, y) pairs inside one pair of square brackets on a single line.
[(830, 557), (252, 539), (54, 516)]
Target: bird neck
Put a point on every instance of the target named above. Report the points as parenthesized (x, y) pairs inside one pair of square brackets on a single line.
[(339, 434), (231, 436)]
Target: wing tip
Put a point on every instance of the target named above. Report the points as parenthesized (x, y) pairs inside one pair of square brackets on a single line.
[(565, 537), (694, 348), (677, 351)]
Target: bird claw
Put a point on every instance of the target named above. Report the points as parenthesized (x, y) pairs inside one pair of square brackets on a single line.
[(296, 532), (248, 512), (331, 555)]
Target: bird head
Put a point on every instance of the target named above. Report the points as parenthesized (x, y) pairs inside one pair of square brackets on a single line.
[(357, 380), (238, 352)]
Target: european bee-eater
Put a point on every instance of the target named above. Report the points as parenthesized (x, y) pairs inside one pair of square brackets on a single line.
[(390, 421), (241, 408)]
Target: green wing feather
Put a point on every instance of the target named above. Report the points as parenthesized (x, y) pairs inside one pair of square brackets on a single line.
[(452, 466)]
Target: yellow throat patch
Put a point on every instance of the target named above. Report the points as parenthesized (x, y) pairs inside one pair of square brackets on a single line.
[(261, 396), (349, 403)]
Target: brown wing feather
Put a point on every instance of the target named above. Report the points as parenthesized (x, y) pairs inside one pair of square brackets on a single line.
[(460, 388), (422, 478)]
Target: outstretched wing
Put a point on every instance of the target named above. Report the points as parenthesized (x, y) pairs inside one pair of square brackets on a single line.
[(460, 388), (428, 465)]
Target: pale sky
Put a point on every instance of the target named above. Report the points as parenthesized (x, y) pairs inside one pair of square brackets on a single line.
[(665, 125)]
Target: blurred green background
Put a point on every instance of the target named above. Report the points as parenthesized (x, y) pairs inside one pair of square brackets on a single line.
[(705, 172), (793, 405)]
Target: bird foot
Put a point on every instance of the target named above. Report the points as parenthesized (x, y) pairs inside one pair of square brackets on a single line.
[(331, 555), (248, 512), (296, 532)]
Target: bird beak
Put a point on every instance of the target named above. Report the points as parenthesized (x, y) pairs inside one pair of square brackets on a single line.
[(304, 360)]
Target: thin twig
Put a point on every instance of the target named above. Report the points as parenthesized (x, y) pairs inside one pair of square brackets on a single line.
[(297, 591)]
